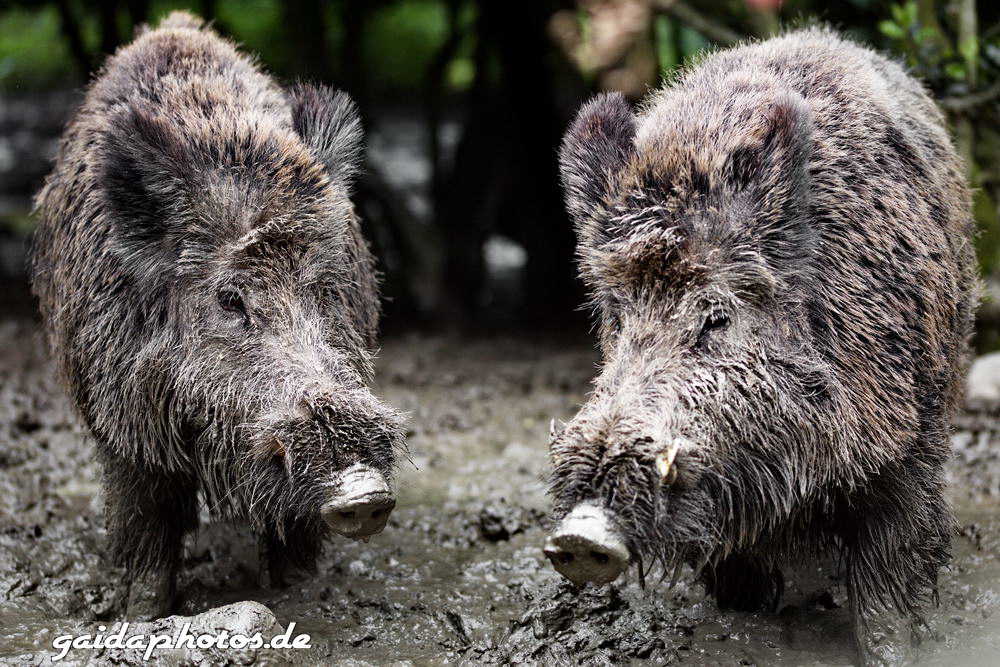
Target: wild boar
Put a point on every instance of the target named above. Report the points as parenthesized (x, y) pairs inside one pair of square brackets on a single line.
[(778, 247), (212, 305)]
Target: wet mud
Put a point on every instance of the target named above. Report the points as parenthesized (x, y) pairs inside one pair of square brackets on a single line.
[(458, 576)]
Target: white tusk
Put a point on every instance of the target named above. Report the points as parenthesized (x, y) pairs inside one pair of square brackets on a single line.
[(665, 463)]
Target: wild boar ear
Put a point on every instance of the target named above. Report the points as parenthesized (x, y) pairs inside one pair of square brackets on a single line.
[(778, 146), (145, 172), (772, 173), (327, 120), (597, 145)]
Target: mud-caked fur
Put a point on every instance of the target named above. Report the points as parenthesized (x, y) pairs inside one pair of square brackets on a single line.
[(779, 251), (208, 295)]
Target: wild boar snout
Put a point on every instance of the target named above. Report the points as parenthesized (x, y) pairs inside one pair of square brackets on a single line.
[(338, 444), (361, 503), (587, 546)]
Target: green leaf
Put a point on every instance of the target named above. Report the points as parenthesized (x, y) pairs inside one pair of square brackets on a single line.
[(927, 34), (955, 70), (898, 13), (969, 48), (461, 72), (891, 30)]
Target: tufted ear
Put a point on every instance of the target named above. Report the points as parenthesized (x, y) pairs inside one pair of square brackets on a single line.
[(596, 146), (770, 171), (777, 146), (146, 174), (328, 122)]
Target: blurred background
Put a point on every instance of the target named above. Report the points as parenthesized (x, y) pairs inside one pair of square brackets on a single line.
[(465, 102)]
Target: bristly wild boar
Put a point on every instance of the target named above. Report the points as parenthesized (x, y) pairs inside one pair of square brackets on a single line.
[(213, 306), (778, 248)]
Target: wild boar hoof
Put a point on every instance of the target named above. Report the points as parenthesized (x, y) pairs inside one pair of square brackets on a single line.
[(150, 596)]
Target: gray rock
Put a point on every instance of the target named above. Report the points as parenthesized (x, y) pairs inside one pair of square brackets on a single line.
[(983, 386)]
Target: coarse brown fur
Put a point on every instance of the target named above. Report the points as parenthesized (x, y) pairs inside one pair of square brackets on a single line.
[(779, 252), (209, 298)]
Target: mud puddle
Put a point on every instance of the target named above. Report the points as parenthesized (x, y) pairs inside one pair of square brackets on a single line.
[(458, 576)]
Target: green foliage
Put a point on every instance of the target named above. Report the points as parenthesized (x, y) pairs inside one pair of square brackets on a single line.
[(930, 46), (461, 72), (928, 35), (16, 223), (401, 39), (667, 52), (691, 42), (257, 25), (33, 55), (676, 44)]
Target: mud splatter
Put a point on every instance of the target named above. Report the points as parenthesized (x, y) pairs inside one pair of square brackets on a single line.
[(458, 576)]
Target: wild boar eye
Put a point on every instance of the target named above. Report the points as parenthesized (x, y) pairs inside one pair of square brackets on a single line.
[(231, 302), (716, 321)]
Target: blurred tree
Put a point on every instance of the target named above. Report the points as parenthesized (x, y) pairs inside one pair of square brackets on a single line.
[(614, 42), (503, 177), (494, 84), (955, 48), (305, 22)]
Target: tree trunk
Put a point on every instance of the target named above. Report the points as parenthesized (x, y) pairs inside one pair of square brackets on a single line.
[(305, 21), (71, 30)]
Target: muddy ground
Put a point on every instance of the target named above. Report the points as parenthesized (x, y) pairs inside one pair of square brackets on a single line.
[(458, 576)]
